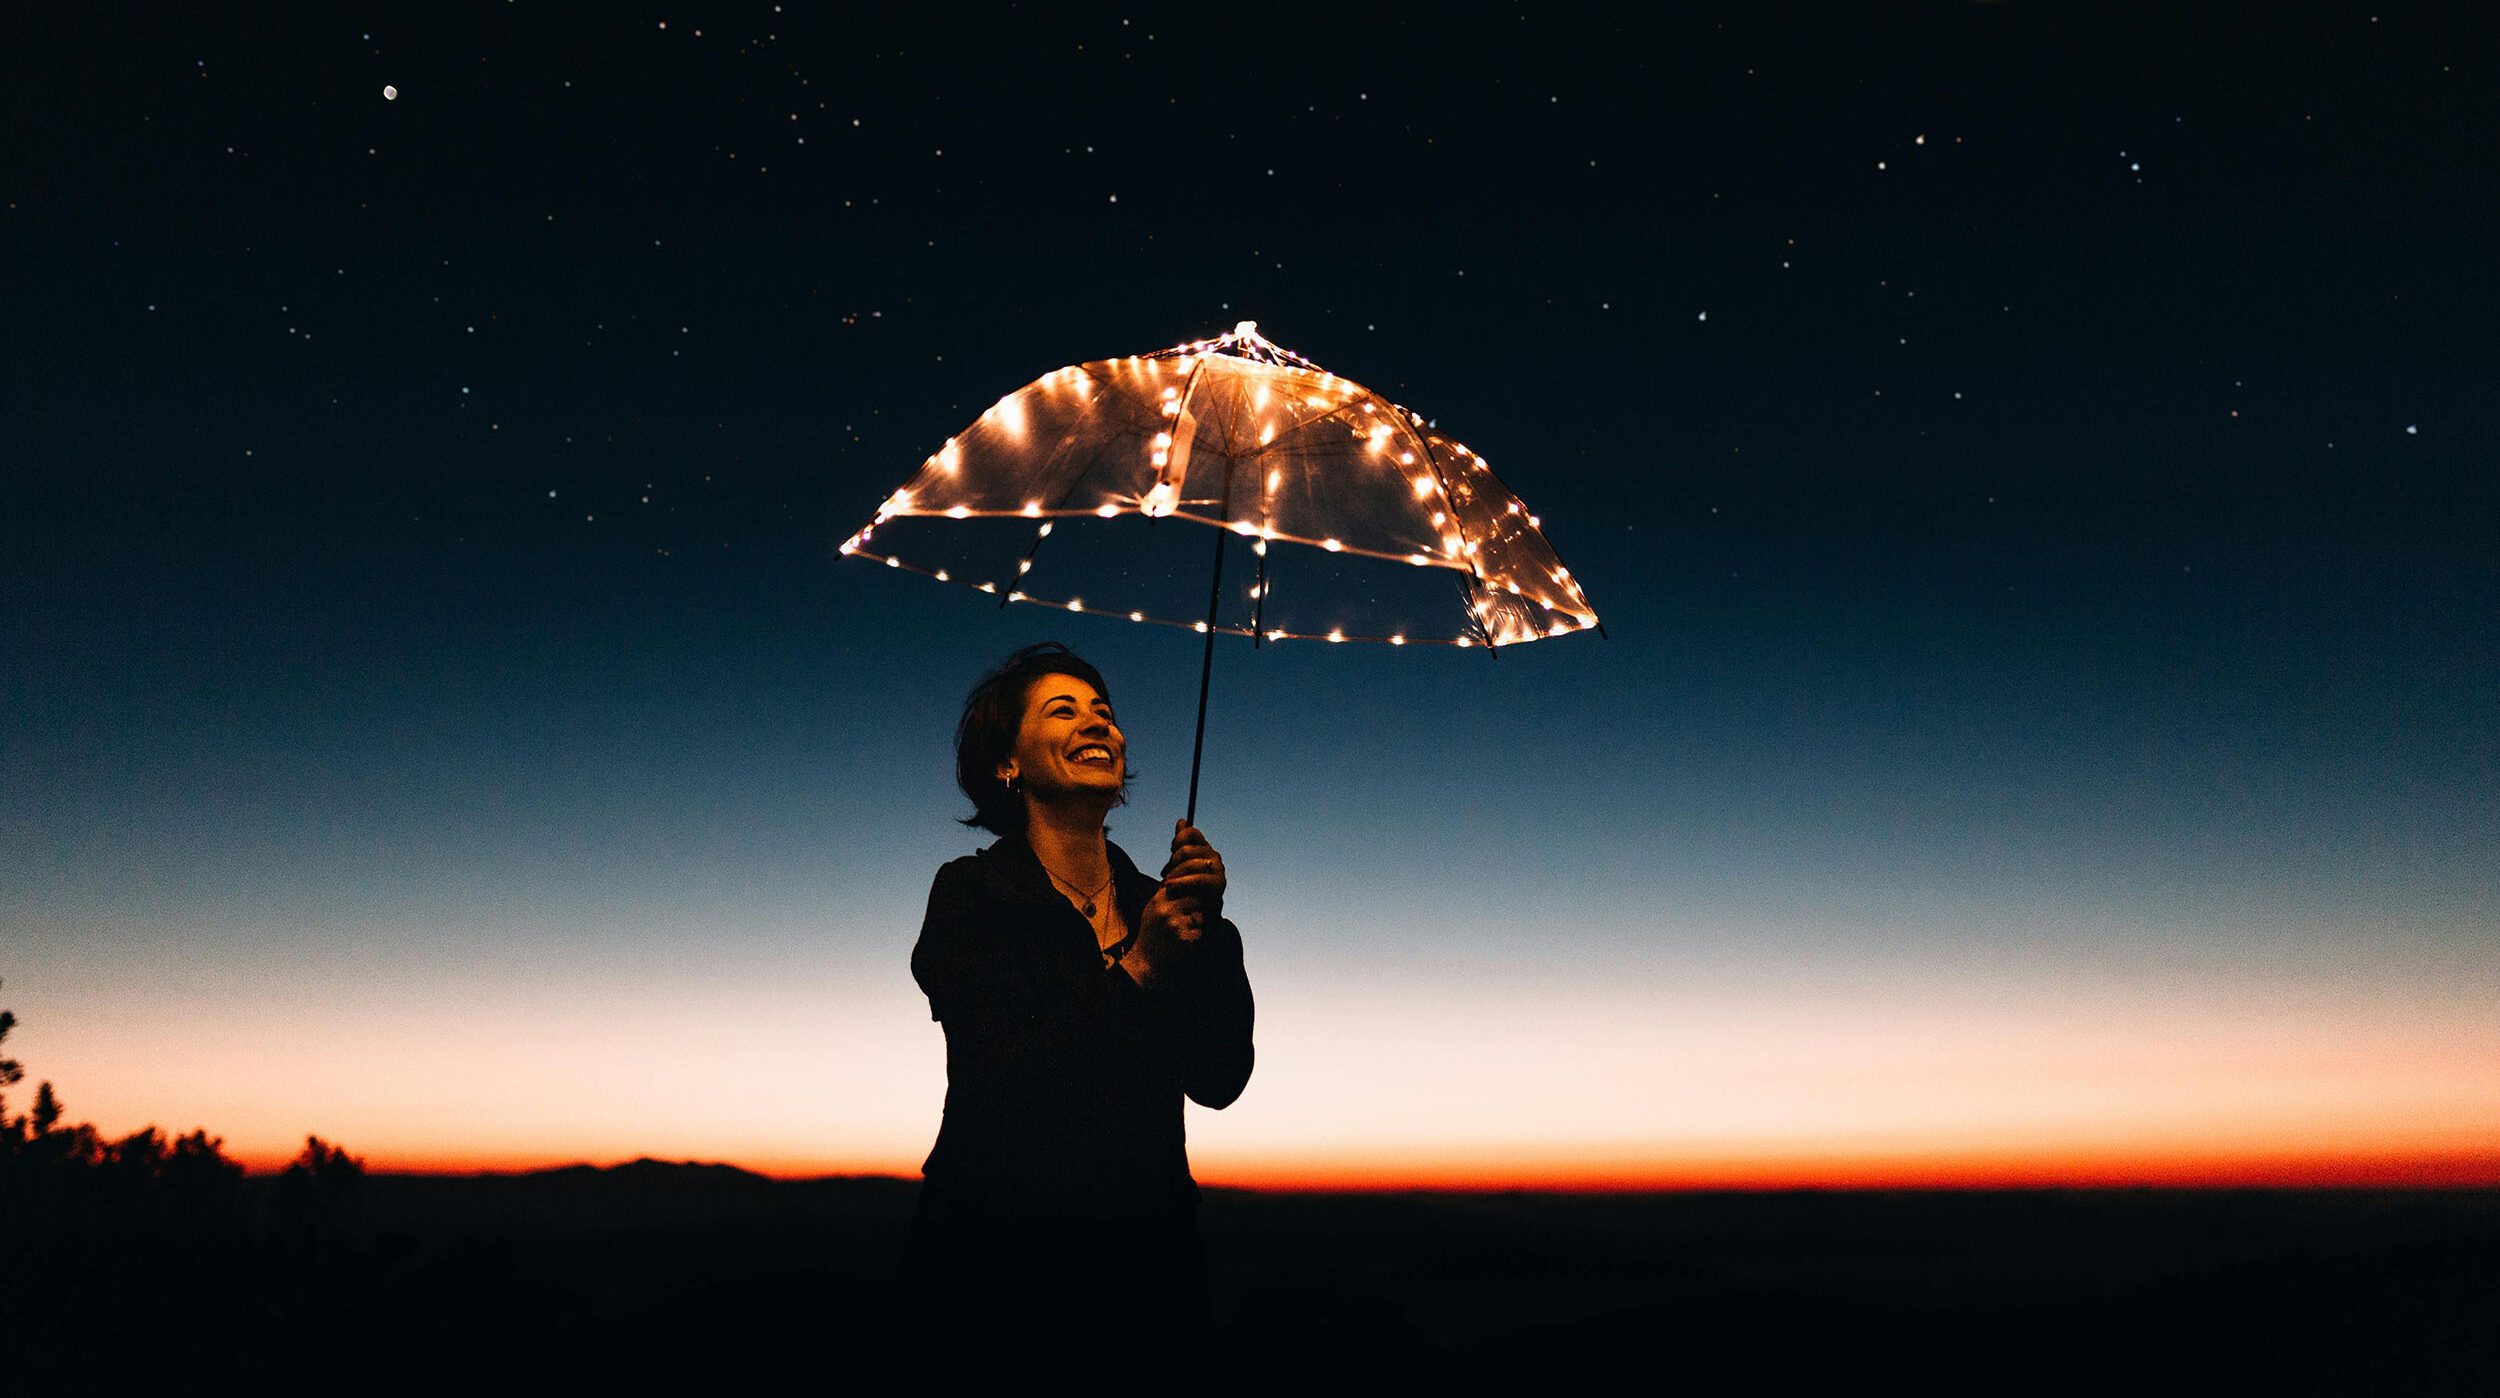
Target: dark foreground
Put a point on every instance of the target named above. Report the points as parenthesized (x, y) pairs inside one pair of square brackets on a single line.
[(653, 1272)]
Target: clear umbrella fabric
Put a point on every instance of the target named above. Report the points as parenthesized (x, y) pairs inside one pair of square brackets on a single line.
[(1242, 435)]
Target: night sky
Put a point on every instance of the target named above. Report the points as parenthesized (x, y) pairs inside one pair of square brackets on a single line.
[(2034, 463)]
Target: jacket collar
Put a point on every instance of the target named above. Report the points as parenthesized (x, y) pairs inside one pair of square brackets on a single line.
[(1016, 875)]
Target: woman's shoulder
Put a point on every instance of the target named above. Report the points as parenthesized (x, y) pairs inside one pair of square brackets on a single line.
[(1005, 872), (961, 880)]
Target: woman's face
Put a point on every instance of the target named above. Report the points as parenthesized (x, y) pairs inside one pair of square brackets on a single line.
[(1069, 745)]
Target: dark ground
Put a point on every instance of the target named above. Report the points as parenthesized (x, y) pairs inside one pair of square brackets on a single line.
[(651, 1273)]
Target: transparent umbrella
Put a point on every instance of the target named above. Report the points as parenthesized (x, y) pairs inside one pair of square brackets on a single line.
[(1058, 497)]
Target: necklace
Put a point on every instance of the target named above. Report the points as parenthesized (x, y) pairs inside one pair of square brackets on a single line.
[(1080, 894)]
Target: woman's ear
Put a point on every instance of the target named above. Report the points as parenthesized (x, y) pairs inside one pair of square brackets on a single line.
[(1006, 774)]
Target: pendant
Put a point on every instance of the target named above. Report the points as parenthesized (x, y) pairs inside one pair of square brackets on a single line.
[(1089, 910)]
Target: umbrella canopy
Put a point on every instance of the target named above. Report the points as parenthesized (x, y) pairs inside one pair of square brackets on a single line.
[(1241, 434)]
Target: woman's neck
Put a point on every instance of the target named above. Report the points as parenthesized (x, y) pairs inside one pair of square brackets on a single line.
[(1069, 844)]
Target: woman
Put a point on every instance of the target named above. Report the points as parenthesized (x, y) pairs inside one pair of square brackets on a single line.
[(1081, 1001)]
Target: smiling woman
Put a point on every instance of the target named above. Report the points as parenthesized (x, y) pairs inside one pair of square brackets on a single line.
[(1081, 1000)]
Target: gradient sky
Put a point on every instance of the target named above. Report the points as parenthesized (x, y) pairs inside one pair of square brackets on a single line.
[(2034, 462)]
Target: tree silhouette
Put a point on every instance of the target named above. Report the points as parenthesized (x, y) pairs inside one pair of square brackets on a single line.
[(12, 1073)]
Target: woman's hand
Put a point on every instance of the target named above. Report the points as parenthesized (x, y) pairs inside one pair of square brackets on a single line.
[(1192, 896)]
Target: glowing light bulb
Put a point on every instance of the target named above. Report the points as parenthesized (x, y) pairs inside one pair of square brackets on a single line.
[(1044, 531), (851, 544), (1244, 528), (1025, 567), (1406, 458), (1336, 635), (1198, 626), (1423, 486), (1332, 545), (1032, 509), (1260, 548), (892, 562), (1535, 523), (941, 576), (957, 512), (1015, 596), (1137, 616), (989, 587), (1439, 519), (1076, 604), (1161, 499), (1273, 478), (1397, 640)]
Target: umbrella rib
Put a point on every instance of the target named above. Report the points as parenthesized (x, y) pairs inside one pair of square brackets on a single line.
[(1475, 572)]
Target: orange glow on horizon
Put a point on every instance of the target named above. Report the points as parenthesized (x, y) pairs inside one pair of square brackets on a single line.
[(1598, 1173)]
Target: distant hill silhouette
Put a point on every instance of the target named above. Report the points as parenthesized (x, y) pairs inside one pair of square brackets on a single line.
[(645, 1172)]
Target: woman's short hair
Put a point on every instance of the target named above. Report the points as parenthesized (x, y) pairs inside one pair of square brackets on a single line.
[(993, 715)]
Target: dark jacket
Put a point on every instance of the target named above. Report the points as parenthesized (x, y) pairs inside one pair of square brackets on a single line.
[(1064, 1077)]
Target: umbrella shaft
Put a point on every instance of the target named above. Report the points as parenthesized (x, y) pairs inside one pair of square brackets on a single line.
[(1206, 670)]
